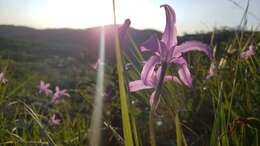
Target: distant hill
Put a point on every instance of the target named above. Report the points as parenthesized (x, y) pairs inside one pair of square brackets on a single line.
[(68, 42), (78, 43), (58, 55)]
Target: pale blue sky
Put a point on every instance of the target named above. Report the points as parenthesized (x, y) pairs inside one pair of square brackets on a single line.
[(192, 15)]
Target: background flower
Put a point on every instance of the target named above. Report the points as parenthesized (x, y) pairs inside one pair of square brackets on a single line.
[(55, 119), (44, 88), (248, 53), (58, 94)]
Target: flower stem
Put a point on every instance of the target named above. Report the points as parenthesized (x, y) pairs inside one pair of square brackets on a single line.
[(156, 101), (159, 86), (152, 129)]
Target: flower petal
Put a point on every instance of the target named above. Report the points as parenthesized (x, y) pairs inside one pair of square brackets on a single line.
[(166, 77), (154, 101), (169, 36), (172, 78), (248, 53), (184, 72), (47, 85), (164, 52), (57, 88), (66, 94), (193, 46), (137, 85), (152, 44), (185, 75), (157, 74), (42, 83), (148, 69), (152, 98), (124, 28)]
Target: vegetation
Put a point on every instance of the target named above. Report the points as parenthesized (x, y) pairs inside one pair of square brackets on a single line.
[(222, 110)]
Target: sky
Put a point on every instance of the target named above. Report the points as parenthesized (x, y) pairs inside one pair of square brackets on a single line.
[(192, 15)]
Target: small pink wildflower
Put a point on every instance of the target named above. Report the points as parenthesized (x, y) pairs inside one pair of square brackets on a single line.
[(58, 94), (44, 88), (248, 53), (3, 80), (55, 120)]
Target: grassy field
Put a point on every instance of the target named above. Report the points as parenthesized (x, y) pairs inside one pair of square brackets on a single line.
[(222, 110)]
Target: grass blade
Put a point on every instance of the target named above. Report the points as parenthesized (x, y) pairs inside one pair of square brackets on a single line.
[(128, 139)]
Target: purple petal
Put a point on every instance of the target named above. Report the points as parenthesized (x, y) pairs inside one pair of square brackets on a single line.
[(154, 102), (124, 28), (148, 69), (47, 92), (152, 98), (55, 119), (47, 85), (158, 74), (169, 36), (179, 61), (185, 75), (137, 85), (184, 72), (164, 52), (248, 53), (152, 44), (193, 46), (66, 94), (172, 78), (42, 83), (166, 77), (1, 75), (57, 88)]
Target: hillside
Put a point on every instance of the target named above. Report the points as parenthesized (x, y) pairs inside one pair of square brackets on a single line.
[(67, 54), (64, 42)]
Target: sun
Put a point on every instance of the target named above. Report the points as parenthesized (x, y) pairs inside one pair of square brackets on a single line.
[(91, 13), (77, 13)]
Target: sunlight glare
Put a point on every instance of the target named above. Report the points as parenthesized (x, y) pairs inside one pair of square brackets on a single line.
[(85, 13), (77, 13), (98, 104)]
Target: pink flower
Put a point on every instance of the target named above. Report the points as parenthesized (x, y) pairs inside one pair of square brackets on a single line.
[(168, 51), (248, 53), (55, 120), (58, 94), (154, 79), (44, 88), (165, 52)]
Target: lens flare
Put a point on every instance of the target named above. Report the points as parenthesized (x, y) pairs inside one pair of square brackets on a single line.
[(98, 104)]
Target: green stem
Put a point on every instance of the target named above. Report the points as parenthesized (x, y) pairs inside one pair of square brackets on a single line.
[(128, 139), (156, 101), (152, 129), (159, 86)]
